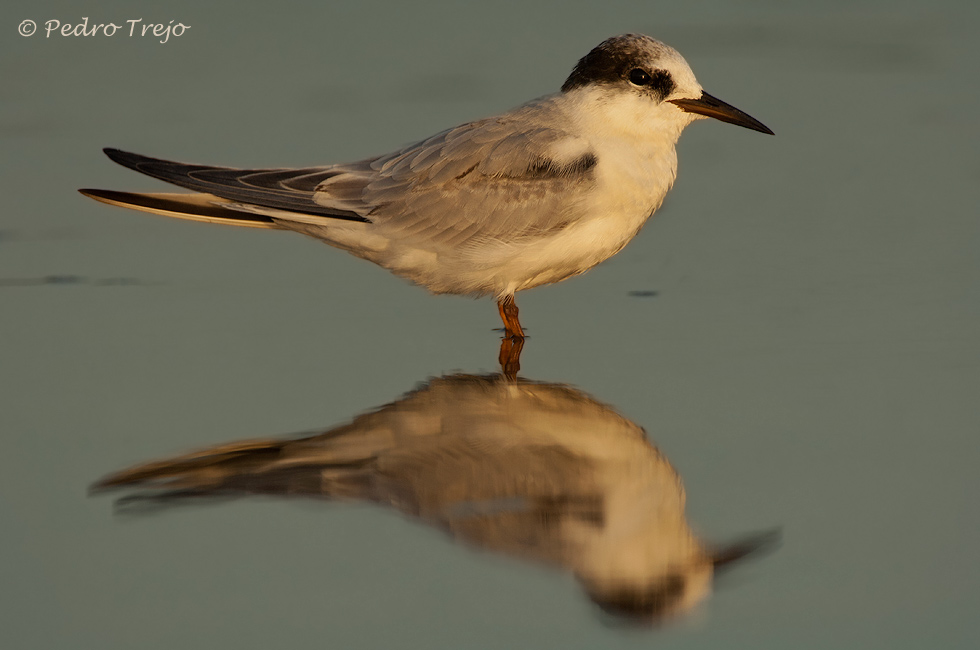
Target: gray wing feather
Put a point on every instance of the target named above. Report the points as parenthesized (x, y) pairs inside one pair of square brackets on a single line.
[(475, 182)]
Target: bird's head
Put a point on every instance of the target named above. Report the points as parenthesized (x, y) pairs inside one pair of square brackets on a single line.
[(638, 82)]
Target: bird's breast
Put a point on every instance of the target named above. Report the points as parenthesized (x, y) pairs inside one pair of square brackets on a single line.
[(628, 187), (631, 181)]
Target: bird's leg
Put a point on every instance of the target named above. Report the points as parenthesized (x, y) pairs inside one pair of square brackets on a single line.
[(510, 357), (508, 314)]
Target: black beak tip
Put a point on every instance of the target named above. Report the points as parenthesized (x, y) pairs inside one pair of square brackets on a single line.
[(710, 106)]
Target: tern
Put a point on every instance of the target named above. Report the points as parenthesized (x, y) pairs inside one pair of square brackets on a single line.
[(532, 196)]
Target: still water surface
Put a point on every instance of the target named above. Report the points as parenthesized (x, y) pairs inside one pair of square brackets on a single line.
[(795, 333)]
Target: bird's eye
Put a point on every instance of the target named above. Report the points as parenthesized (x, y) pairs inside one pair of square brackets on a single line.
[(639, 77)]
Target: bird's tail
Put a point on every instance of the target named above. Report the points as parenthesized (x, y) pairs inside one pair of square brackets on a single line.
[(237, 197), (194, 207)]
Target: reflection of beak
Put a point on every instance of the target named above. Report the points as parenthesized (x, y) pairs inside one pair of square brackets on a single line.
[(766, 542), (713, 107)]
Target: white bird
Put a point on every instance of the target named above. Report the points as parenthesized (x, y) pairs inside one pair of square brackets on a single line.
[(532, 196)]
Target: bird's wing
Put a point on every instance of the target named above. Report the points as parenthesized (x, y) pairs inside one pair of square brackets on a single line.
[(509, 176), (276, 190)]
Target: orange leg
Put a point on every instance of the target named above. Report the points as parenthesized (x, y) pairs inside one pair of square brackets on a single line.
[(508, 314)]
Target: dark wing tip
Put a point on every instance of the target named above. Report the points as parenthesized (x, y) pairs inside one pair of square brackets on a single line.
[(113, 153), (126, 158)]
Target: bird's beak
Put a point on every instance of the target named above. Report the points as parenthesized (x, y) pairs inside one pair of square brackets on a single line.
[(713, 107)]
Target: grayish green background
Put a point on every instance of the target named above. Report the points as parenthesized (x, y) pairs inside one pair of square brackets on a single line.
[(809, 360)]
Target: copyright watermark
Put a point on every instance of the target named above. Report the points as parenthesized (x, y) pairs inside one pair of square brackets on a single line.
[(130, 28)]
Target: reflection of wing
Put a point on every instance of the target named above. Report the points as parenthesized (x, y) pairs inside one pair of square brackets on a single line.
[(535, 470), (460, 440)]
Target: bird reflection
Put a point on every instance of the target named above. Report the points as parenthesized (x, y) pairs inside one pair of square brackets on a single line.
[(535, 470)]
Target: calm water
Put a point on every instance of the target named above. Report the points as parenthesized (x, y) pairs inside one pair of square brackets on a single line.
[(795, 332)]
